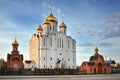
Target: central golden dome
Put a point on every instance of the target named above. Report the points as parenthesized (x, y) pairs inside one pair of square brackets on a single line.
[(51, 18)]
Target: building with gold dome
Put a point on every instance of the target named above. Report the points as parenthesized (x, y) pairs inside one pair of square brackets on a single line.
[(96, 65), (52, 48), (14, 60)]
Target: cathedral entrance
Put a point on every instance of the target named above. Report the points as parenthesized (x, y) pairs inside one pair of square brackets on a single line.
[(63, 64), (15, 67), (94, 70), (99, 68), (105, 70)]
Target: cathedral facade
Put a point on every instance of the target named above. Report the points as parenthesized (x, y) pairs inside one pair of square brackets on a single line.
[(52, 48)]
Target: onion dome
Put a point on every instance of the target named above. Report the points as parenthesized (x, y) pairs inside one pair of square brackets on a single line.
[(63, 25), (39, 28), (51, 18), (46, 22), (15, 42), (96, 49)]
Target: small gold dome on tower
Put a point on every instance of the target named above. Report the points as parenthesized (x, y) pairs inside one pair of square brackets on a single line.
[(39, 28), (15, 42), (96, 49), (63, 25), (51, 18)]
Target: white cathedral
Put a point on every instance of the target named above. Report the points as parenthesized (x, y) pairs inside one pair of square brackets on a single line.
[(50, 48)]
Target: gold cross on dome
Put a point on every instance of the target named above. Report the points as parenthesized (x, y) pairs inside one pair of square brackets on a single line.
[(63, 18), (51, 7)]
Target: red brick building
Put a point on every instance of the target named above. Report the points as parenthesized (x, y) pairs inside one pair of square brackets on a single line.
[(96, 65), (14, 60)]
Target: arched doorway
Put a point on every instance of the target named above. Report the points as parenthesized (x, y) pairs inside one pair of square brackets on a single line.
[(94, 70), (15, 67), (63, 64), (105, 70), (99, 68)]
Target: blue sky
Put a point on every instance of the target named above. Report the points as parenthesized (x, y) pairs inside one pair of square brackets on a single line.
[(89, 22)]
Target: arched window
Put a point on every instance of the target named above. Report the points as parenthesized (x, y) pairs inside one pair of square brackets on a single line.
[(90, 69), (62, 43), (68, 59), (51, 58), (44, 58), (44, 66), (44, 41), (73, 45), (53, 27), (15, 59), (68, 43), (51, 41), (50, 28), (57, 42), (45, 27)]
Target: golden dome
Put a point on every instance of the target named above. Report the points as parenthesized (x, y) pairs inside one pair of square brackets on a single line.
[(96, 49), (46, 22), (15, 42), (51, 18), (63, 25), (39, 28)]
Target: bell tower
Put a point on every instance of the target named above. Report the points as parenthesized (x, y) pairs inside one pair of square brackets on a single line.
[(63, 26), (15, 45), (15, 60)]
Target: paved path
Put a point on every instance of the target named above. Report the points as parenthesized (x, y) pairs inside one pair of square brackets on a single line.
[(64, 77)]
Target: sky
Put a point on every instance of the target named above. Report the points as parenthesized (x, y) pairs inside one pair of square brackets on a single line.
[(89, 22)]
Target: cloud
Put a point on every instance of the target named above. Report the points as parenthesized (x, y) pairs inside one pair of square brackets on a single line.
[(90, 32), (4, 40), (110, 33), (116, 19), (85, 3), (86, 44), (7, 24), (111, 28), (104, 21), (59, 10), (45, 4), (106, 44), (113, 20)]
